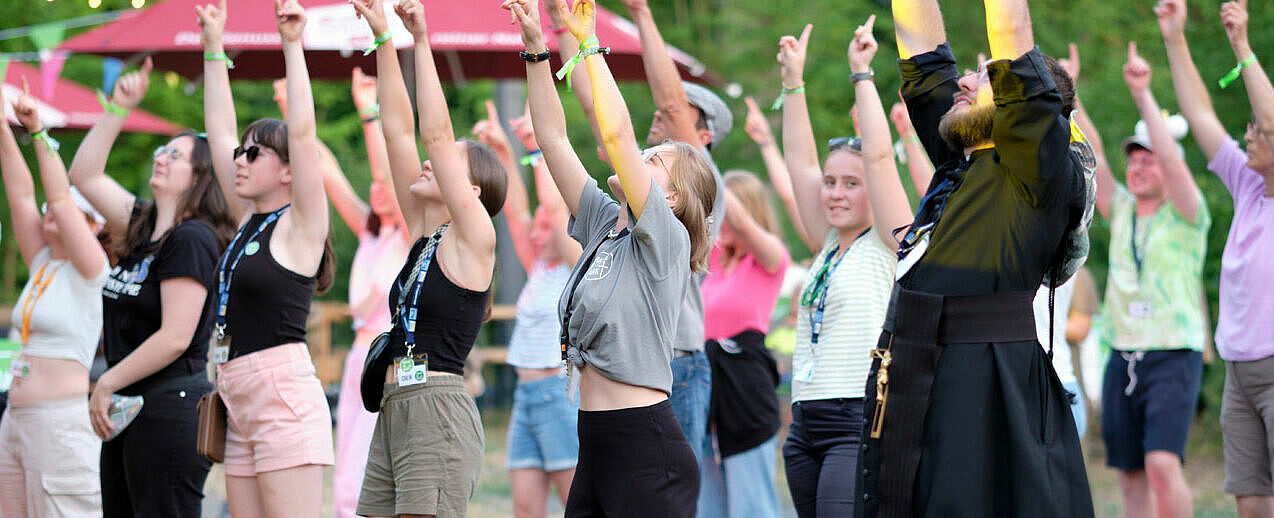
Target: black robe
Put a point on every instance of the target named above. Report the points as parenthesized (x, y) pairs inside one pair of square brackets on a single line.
[(998, 438)]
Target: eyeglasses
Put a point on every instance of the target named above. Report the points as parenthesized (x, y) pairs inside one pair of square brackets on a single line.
[(649, 156), (171, 151), (252, 152), (853, 143)]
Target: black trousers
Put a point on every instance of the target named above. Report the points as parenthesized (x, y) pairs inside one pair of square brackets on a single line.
[(152, 469), (633, 462), (821, 454)]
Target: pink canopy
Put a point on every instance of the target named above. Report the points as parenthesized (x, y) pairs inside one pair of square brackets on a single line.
[(74, 106)]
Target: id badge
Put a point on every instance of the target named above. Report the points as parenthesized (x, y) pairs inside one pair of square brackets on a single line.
[(220, 354), (412, 371), (806, 373), (20, 368), (1138, 309)]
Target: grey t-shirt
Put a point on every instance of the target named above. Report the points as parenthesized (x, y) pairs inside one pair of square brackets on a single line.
[(690, 325), (624, 310)]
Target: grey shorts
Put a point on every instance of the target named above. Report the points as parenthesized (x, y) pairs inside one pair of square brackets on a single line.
[(1247, 427), (426, 451)]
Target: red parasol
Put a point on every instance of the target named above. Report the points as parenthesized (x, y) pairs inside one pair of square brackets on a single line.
[(473, 41), (75, 106)]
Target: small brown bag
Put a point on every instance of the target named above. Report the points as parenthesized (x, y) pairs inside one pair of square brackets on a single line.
[(211, 442)]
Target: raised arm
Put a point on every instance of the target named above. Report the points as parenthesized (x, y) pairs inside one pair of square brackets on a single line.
[(766, 248), (918, 164), (758, 128), (889, 205), (88, 168), (517, 205), (677, 115), (81, 246), (306, 160), (397, 121), (1008, 28), (799, 148), (1177, 181), (1259, 91), (1104, 177), (24, 213), (918, 24), (567, 46), (1192, 95), (364, 89), (218, 104)]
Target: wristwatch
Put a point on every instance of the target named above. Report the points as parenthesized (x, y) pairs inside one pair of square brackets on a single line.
[(861, 76)]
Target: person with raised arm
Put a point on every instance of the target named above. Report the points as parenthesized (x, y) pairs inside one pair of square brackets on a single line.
[(965, 415), (157, 308), (543, 445), (429, 465), (913, 153), (621, 306), (758, 129), (1244, 334), (849, 207), (58, 318), (279, 436)]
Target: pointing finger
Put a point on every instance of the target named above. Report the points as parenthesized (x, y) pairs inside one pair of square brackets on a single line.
[(805, 34)]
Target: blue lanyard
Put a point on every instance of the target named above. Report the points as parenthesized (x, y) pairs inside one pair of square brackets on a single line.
[(1139, 259), (409, 316), (226, 276), (824, 283)]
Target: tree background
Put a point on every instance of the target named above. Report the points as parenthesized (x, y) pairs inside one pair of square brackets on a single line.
[(737, 39)]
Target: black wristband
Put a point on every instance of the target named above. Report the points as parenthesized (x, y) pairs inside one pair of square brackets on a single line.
[(535, 58), (861, 76)]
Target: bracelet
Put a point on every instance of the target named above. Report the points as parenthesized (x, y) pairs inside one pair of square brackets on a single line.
[(49, 141), (380, 40), (778, 103), (560, 30), (532, 158), (587, 48), (111, 107), (861, 76), (1234, 72), (370, 112), (535, 58), (218, 56)]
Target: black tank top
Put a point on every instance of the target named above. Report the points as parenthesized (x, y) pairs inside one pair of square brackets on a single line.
[(269, 304), (448, 317)]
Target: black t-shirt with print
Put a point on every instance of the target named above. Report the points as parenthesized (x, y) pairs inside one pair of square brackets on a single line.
[(131, 306)]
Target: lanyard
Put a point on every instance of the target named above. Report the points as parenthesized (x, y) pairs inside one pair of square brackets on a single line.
[(822, 285), (38, 286), (570, 294), (939, 196), (1139, 258), (226, 276), (408, 317)]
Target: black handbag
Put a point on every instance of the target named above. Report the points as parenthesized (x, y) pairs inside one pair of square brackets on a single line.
[(372, 384)]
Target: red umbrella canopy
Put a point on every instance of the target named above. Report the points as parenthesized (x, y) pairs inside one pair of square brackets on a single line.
[(74, 106), (475, 40)]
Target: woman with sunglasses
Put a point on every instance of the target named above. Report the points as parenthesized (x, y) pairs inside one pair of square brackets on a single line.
[(155, 338), (428, 442), (279, 436), (849, 209), (59, 317)]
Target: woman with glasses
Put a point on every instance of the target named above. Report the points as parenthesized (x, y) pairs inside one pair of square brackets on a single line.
[(279, 436), (157, 307), (59, 317), (849, 209)]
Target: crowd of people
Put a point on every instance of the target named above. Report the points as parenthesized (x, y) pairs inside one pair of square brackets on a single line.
[(932, 373)]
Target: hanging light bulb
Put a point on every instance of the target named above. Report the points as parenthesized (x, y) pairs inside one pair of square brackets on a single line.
[(94, 4), (138, 4)]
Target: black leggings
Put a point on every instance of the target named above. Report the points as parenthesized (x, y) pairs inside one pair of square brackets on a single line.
[(633, 462), (821, 454)]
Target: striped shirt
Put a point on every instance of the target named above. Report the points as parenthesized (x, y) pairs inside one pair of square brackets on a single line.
[(857, 299), (535, 343)]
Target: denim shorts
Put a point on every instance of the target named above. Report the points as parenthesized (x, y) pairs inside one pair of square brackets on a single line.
[(542, 432)]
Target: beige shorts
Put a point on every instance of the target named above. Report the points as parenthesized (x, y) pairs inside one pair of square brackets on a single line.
[(49, 458), (1247, 427), (276, 410), (426, 451)]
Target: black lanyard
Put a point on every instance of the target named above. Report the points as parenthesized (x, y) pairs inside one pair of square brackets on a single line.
[(226, 276), (570, 294), (1139, 258), (403, 315)]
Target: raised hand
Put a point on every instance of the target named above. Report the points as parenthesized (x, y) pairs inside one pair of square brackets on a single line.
[(1172, 16), (757, 126), (527, 14), (524, 131), (1136, 71), (281, 95), (490, 133), (1234, 18), (412, 13), (25, 110), (363, 88), (130, 89), (863, 47), (902, 120), (373, 11), (635, 4), (581, 19), (1071, 64), (212, 22), (290, 17), (792, 57)]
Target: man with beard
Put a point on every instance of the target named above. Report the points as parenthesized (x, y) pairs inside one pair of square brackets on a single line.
[(965, 415)]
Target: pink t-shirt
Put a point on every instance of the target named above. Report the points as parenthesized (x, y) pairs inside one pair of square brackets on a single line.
[(1244, 330), (376, 265), (740, 299)]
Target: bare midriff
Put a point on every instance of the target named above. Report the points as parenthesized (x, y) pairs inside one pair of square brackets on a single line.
[(528, 375), (48, 380), (597, 392)]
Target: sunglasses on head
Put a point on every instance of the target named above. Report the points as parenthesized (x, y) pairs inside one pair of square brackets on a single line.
[(853, 143), (252, 152)]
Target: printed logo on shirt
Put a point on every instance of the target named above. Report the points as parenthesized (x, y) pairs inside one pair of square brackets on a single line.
[(600, 267), (127, 282)]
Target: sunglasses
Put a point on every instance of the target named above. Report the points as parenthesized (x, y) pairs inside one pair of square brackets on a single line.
[(251, 152), (171, 152), (853, 143)]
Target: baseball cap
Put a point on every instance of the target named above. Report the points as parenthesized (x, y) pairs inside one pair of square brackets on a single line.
[(1177, 128), (720, 120)]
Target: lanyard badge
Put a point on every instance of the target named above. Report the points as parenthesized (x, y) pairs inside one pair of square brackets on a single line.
[(225, 275), (412, 369)]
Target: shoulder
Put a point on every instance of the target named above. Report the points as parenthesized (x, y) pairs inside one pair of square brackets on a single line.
[(192, 234)]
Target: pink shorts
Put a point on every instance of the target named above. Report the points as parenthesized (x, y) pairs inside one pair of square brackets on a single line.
[(277, 412)]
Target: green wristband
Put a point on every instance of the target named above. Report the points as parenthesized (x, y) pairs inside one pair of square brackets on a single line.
[(111, 107), (49, 141), (586, 48), (1234, 73), (778, 103), (218, 56), (380, 40)]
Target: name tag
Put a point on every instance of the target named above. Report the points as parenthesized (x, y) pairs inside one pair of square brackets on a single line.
[(1138, 309), (220, 354), (20, 368), (806, 373), (412, 371)]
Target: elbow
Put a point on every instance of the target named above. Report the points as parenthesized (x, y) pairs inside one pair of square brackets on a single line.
[(874, 155)]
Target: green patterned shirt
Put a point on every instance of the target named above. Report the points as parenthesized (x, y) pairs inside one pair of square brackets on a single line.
[(1156, 306)]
